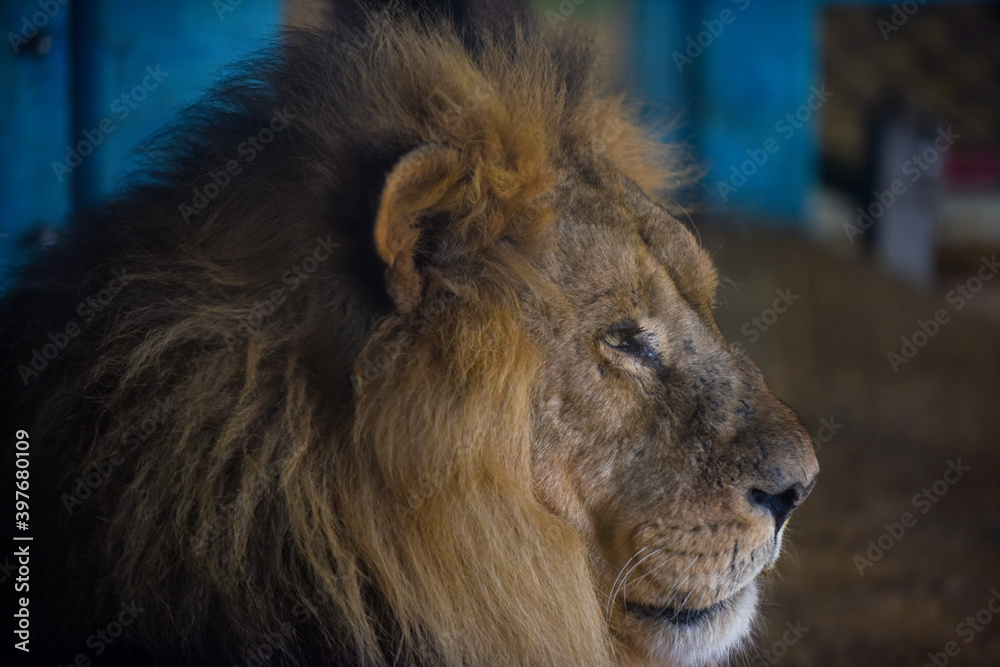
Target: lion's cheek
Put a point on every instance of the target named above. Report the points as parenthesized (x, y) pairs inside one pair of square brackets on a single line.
[(557, 488)]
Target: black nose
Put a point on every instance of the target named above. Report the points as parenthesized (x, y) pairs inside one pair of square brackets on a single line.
[(780, 505)]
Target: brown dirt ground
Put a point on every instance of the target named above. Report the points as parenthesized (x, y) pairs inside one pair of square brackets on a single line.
[(827, 357)]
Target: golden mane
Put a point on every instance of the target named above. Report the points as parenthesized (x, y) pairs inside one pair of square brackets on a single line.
[(287, 460)]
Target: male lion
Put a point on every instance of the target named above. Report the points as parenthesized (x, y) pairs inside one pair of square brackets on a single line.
[(396, 359)]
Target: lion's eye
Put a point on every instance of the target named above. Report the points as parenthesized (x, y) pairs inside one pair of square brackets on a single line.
[(625, 339)]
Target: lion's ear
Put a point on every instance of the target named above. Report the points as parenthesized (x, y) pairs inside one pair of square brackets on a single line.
[(416, 187)]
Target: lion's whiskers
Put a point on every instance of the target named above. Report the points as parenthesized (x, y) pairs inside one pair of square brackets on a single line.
[(673, 595), (614, 586), (655, 569), (625, 578)]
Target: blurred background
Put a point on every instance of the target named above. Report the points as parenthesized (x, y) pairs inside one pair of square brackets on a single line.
[(850, 197)]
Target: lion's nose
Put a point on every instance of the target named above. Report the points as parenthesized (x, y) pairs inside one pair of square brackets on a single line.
[(780, 505)]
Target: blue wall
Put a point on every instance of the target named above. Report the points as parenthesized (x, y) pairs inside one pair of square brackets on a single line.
[(734, 70), (35, 117), (743, 77), (116, 71)]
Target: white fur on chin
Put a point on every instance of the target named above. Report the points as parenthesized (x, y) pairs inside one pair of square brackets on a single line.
[(707, 643)]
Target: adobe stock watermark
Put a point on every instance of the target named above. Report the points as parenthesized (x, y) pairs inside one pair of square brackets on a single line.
[(30, 25), (455, 112), (828, 428), (99, 641), (755, 326), (223, 7), (121, 107), (562, 13), (957, 298), (610, 131), (94, 477), (790, 637), (714, 28), (967, 631), (291, 280), (224, 519), (417, 323), (270, 645), (220, 178), (87, 310), (273, 644), (785, 127), (901, 13), (914, 168), (924, 500), (7, 569)]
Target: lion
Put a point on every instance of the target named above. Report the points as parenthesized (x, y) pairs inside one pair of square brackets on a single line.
[(397, 355)]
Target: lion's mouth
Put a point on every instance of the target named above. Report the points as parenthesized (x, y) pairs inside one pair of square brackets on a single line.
[(674, 616)]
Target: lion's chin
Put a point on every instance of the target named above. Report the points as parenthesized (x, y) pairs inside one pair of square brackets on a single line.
[(667, 636)]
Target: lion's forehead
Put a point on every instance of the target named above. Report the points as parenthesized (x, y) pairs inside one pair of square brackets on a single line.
[(610, 233)]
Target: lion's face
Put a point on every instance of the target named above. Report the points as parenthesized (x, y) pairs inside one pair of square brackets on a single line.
[(654, 438)]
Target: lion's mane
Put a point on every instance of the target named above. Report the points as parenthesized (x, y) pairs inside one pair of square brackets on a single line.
[(262, 451)]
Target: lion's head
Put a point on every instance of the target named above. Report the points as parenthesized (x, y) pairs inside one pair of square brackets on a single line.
[(490, 421), (655, 439)]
